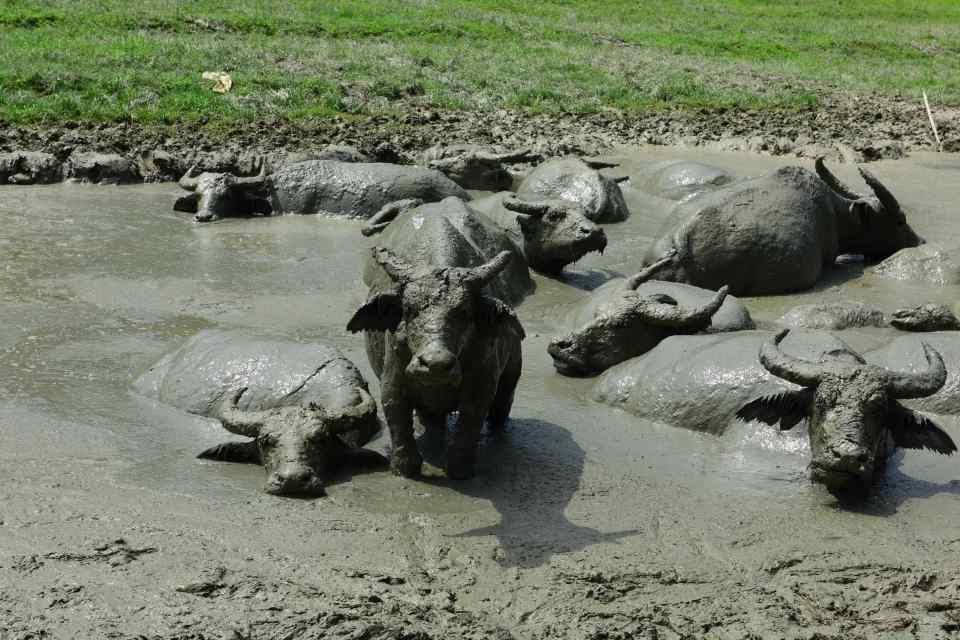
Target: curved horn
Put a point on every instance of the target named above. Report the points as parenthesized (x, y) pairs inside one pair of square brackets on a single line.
[(919, 385), (242, 423), (444, 163), (833, 182), (535, 209), (672, 315), (254, 181), (520, 155), (883, 194), (635, 281), (353, 417), (600, 164), (387, 214), (187, 181), (796, 370), (487, 272), (396, 267)]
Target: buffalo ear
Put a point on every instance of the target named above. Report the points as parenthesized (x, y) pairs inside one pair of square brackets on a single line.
[(187, 202), (383, 312), (787, 407), (246, 452), (912, 430), (492, 311)]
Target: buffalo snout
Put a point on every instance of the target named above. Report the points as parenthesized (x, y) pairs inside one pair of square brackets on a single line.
[(843, 469), (435, 364), (295, 480)]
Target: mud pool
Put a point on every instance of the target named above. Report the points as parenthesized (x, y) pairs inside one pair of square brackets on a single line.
[(582, 518)]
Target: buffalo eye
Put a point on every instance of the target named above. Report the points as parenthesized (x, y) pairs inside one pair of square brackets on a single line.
[(554, 217)]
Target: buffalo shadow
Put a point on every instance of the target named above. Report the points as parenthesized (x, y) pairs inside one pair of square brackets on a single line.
[(530, 474), (893, 488)]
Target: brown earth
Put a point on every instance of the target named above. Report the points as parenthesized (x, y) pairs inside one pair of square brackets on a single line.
[(845, 126)]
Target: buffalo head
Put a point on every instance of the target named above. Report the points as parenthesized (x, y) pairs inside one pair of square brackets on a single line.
[(628, 326), (433, 313), (879, 226), (219, 195), (298, 446), (853, 415), (555, 233)]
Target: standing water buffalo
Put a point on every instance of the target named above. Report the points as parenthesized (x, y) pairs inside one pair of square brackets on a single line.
[(305, 407), (851, 407), (776, 233), (439, 345), (631, 324), (349, 189)]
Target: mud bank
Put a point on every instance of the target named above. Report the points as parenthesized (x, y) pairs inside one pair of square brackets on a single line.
[(848, 128), (583, 522)]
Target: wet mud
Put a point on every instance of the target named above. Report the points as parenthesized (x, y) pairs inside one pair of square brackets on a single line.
[(583, 521)]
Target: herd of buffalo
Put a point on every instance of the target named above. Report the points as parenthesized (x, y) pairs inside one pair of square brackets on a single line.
[(671, 343)]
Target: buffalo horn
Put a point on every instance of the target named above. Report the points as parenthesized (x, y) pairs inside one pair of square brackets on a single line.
[(833, 182), (918, 385), (883, 194), (789, 368)]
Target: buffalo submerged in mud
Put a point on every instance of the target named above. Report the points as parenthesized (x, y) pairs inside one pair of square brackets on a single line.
[(304, 407), (776, 233), (330, 187), (632, 323), (550, 234), (852, 412)]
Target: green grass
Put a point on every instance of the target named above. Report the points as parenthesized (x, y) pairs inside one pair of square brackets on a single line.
[(116, 60)]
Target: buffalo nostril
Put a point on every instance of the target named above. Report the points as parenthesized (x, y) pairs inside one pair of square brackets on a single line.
[(290, 480)]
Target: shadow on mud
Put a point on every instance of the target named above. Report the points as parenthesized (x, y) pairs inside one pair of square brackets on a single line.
[(530, 474), (837, 275), (587, 280), (895, 488)]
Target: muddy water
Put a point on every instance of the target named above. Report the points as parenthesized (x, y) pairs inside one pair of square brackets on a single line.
[(98, 282)]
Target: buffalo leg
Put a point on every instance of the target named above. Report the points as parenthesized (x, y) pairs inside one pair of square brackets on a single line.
[(503, 401), (462, 447), (405, 460), (432, 422), (246, 452)]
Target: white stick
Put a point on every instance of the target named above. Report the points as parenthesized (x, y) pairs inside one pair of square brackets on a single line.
[(933, 125)]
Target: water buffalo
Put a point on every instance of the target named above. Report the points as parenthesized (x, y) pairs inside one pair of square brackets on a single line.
[(440, 345), (633, 321), (925, 317), (776, 233), (579, 181), (476, 166), (305, 407), (349, 189), (550, 233), (680, 180), (448, 234), (851, 407), (700, 381), (834, 315)]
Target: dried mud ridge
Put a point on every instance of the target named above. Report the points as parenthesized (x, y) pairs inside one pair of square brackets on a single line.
[(851, 128)]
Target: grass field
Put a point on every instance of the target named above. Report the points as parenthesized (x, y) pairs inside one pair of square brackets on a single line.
[(121, 60)]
